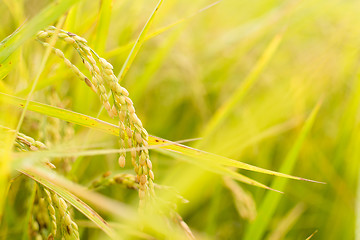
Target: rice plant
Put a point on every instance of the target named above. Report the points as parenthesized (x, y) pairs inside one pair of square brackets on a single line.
[(260, 101)]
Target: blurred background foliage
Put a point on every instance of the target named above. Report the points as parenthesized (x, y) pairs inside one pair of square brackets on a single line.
[(182, 77)]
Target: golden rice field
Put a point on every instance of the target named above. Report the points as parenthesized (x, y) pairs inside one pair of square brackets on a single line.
[(164, 119)]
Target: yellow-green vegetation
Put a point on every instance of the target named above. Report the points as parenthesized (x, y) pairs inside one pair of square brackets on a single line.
[(179, 119)]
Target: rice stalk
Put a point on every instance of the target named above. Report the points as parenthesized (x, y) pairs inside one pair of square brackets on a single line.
[(132, 132)]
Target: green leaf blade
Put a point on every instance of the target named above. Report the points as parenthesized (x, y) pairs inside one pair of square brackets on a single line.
[(271, 201)]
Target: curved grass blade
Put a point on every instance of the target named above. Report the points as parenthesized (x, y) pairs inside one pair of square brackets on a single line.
[(63, 114), (132, 219), (140, 40), (87, 121), (211, 157), (257, 229), (73, 200)]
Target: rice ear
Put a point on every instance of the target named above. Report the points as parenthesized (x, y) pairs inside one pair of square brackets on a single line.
[(133, 134)]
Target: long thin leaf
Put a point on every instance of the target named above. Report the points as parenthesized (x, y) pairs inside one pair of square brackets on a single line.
[(109, 128), (72, 193), (140, 40), (218, 168), (258, 227), (71, 199)]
